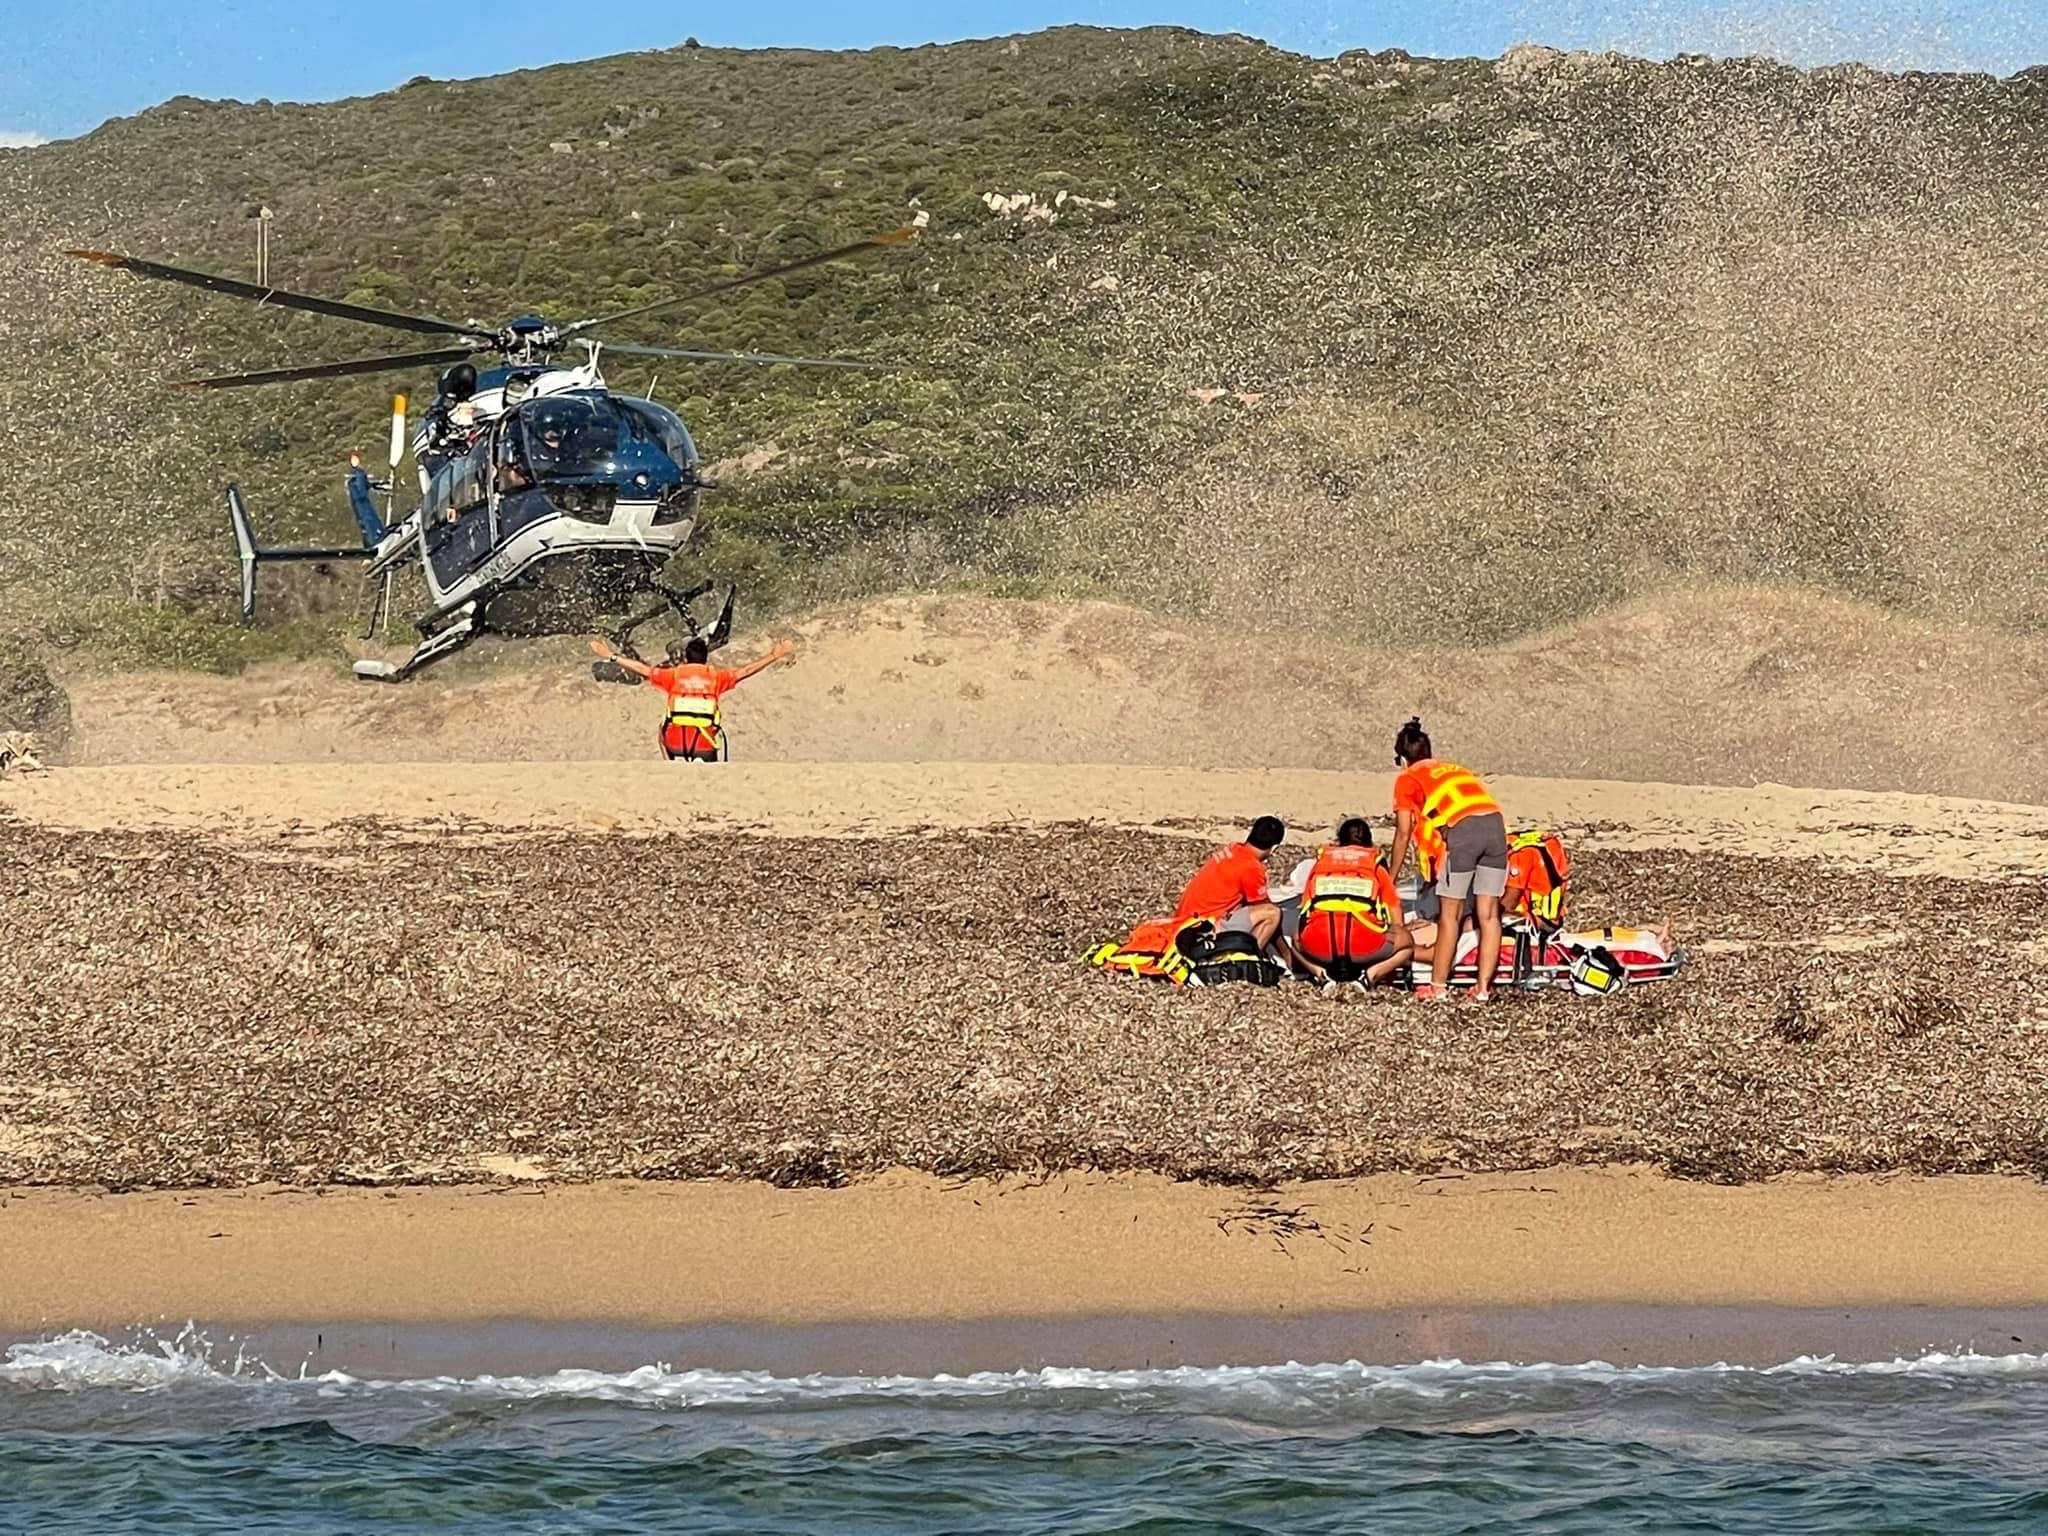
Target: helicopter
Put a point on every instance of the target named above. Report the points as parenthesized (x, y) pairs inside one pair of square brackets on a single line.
[(548, 503)]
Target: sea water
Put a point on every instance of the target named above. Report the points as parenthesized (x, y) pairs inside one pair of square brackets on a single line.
[(170, 1437)]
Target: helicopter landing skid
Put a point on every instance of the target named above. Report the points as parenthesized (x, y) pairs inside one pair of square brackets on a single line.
[(675, 602), (443, 642)]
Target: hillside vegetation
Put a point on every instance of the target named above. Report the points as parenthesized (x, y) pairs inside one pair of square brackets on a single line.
[(1415, 349)]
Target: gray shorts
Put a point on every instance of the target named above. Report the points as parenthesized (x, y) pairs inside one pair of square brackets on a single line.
[(1240, 921), (1475, 858)]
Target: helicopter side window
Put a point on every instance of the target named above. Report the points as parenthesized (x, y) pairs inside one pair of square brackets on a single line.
[(460, 483), (459, 533), (513, 471)]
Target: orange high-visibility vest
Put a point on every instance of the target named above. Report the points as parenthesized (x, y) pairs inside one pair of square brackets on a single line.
[(1350, 881), (1537, 867), (1453, 793)]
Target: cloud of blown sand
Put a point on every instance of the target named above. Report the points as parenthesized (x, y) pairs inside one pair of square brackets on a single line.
[(1886, 34)]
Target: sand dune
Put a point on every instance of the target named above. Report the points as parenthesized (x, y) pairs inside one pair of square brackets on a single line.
[(1732, 687)]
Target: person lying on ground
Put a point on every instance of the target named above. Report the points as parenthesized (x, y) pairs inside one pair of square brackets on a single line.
[(693, 719), (1342, 914), (1444, 813)]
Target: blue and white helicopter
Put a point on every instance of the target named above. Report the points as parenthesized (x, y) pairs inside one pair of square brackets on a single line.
[(549, 504)]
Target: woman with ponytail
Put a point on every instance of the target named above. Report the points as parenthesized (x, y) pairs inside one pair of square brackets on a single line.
[(1459, 834)]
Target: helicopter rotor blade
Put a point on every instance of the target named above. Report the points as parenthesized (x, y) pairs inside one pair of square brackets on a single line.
[(740, 357), (872, 242), (282, 297), (384, 364)]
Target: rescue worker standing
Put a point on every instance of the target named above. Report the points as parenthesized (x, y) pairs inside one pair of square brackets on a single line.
[(693, 721), (1445, 813)]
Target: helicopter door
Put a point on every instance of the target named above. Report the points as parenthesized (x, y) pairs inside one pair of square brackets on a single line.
[(517, 499), (458, 516)]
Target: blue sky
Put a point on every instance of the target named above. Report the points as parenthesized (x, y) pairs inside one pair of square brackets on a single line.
[(66, 65)]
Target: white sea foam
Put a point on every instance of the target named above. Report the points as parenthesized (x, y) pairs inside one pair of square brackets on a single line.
[(78, 1360), (75, 1360)]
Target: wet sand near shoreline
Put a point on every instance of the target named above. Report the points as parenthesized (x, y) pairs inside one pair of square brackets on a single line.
[(910, 1273), (1620, 1335)]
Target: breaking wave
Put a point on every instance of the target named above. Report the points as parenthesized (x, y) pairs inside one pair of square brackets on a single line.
[(211, 1439), (79, 1360)]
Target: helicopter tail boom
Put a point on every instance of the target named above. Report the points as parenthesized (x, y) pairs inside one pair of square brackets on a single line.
[(253, 554)]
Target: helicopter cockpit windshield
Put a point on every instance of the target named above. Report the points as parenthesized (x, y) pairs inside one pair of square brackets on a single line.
[(569, 437)]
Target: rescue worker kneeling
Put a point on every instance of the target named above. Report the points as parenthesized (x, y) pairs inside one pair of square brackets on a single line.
[(1538, 868), (1346, 924), (1226, 926)]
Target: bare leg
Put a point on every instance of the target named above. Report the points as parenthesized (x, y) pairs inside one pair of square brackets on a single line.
[(1449, 921), (1265, 921), (1391, 965), (1486, 910)]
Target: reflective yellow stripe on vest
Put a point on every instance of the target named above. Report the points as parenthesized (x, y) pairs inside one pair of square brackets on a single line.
[(687, 709), (1455, 794), (1346, 889)]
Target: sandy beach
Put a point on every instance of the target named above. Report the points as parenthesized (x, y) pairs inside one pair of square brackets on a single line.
[(1435, 1263), (806, 1044), (369, 999)]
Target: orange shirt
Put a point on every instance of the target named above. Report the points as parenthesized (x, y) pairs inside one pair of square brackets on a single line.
[(1234, 877), (1456, 791), (694, 680)]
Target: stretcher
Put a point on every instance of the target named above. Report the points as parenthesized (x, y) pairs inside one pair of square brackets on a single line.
[(1590, 961)]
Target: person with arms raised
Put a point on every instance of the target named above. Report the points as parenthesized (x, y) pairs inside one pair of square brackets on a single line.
[(693, 724)]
